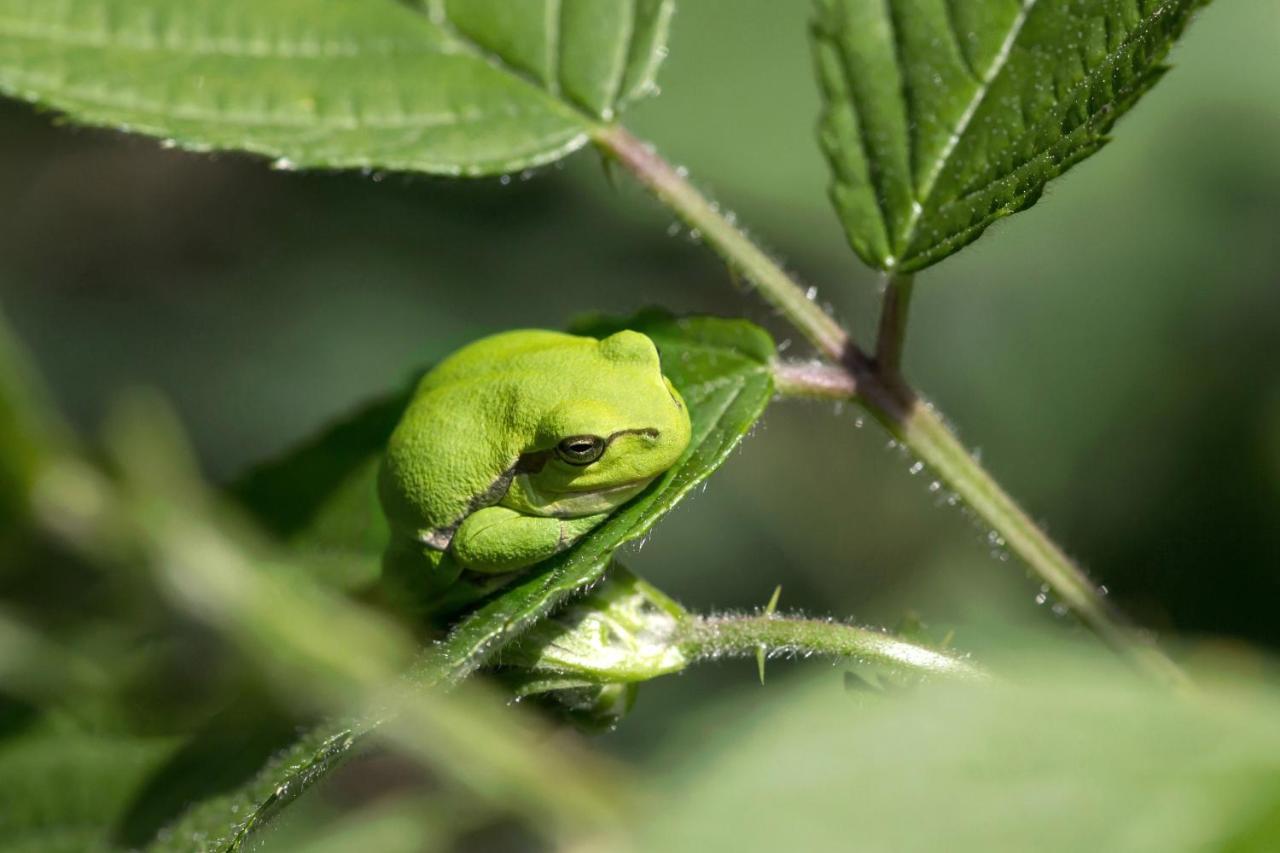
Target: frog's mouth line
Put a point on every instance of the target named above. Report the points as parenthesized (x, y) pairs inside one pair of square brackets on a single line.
[(621, 487)]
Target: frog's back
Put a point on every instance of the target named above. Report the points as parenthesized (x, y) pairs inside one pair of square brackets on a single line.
[(503, 353)]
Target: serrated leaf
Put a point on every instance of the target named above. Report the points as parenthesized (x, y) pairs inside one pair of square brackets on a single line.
[(464, 87), (942, 116)]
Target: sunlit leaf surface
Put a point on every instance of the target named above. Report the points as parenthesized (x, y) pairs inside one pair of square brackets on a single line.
[(459, 87), (942, 116)]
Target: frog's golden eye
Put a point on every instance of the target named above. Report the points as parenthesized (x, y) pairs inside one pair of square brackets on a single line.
[(581, 449)]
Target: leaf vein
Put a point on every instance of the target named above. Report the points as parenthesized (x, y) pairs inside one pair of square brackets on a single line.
[(874, 176), (998, 64)]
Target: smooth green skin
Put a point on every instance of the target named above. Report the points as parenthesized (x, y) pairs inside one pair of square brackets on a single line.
[(472, 478)]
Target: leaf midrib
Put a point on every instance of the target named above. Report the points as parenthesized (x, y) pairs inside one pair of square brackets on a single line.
[(551, 92), (998, 64), (456, 43)]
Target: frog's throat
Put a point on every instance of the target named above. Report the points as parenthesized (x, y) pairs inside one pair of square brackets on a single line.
[(525, 496)]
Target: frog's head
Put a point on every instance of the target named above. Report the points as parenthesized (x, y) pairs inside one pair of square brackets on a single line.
[(620, 424)]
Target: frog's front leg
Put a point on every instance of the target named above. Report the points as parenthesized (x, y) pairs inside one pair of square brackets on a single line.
[(498, 539)]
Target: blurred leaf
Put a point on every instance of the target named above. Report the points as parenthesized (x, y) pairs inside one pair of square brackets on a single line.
[(28, 426), (943, 116), (321, 497), (63, 785), (228, 750), (455, 87), (412, 824), (1072, 756)]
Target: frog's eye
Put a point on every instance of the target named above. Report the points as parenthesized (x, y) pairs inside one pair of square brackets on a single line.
[(581, 449)]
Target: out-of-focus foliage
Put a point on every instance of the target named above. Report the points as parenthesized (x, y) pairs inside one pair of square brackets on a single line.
[(63, 785), (1071, 755), (942, 117), (449, 87)]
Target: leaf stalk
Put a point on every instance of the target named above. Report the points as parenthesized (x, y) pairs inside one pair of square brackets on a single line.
[(714, 637), (891, 338)]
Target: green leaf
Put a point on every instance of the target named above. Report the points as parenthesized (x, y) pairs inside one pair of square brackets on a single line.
[(942, 116), (321, 497), (1067, 755), (63, 785), (463, 87)]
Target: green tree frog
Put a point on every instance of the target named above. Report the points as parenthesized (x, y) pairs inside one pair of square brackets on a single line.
[(518, 444)]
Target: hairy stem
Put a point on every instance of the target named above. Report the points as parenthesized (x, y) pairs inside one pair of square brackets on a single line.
[(917, 425), (711, 637), (877, 384), (744, 256), (893, 323)]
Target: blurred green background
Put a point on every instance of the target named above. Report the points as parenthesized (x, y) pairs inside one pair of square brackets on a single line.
[(1114, 352)]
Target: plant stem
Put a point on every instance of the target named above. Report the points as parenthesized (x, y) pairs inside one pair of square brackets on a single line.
[(917, 425), (814, 379), (711, 637), (877, 384), (893, 323), (736, 248)]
